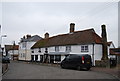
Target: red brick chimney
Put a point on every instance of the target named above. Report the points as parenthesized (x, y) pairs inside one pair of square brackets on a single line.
[(104, 40), (46, 35), (72, 27), (28, 36)]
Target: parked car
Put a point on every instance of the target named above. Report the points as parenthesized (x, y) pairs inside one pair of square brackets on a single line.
[(5, 59), (77, 61)]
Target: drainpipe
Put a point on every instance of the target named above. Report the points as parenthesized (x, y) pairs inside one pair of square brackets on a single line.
[(93, 56)]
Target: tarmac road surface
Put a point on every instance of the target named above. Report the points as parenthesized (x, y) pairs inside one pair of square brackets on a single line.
[(22, 70)]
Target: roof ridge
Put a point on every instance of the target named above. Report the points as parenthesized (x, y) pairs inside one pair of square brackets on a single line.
[(71, 33), (77, 37)]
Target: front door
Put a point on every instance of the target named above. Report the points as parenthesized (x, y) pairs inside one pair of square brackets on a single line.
[(41, 58), (51, 58), (36, 57), (32, 57)]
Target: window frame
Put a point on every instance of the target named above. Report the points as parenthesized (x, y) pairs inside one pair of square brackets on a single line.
[(57, 49), (39, 50), (57, 58), (68, 48), (84, 48)]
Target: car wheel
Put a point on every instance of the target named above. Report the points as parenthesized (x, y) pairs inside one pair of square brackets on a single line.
[(88, 68), (79, 68)]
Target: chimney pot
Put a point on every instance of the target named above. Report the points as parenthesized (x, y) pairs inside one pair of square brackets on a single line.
[(72, 27), (28, 36)]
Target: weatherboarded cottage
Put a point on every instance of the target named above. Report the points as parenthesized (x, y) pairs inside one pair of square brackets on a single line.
[(55, 49), (25, 45)]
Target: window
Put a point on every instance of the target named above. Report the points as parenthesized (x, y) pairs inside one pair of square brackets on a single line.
[(32, 57), (23, 54), (24, 44), (32, 51), (56, 48), (36, 57), (84, 48), (46, 50), (68, 48), (39, 50)]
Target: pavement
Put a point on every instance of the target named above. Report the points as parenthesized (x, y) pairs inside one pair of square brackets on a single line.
[(0, 71), (112, 71)]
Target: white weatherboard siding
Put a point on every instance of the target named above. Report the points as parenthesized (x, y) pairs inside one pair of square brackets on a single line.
[(96, 55), (94, 50), (98, 52), (51, 49), (76, 49), (62, 48), (25, 52), (11, 52), (36, 51)]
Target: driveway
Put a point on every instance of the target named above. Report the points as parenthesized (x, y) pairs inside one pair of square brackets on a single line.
[(23, 70)]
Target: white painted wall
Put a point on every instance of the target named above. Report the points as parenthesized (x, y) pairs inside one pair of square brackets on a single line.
[(75, 49), (62, 48), (109, 47), (25, 52), (51, 49), (10, 52), (98, 52)]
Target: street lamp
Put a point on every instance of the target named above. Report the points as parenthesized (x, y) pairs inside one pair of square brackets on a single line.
[(1, 38), (1, 43)]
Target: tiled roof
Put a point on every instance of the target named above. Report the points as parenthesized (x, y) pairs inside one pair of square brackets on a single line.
[(115, 51), (109, 43), (79, 37), (33, 38), (11, 47)]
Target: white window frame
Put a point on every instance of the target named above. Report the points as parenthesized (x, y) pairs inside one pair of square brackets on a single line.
[(56, 48), (84, 48), (39, 50), (68, 48), (24, 44)]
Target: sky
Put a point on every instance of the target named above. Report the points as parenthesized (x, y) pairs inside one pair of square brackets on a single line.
[(37, 18)]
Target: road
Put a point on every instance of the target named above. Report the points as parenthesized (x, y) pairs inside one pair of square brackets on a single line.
[(22, 70), (0, 71)]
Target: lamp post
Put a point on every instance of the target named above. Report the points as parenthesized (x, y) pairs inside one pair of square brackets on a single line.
[(2, 48)]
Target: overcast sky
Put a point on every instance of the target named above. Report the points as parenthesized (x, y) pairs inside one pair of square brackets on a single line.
[(37, 18)]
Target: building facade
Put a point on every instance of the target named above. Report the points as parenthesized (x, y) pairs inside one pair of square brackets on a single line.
[(12, 51), (25, 45), (55, 49)]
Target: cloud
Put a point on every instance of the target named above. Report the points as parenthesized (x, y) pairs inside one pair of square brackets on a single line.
[(37, 18)]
